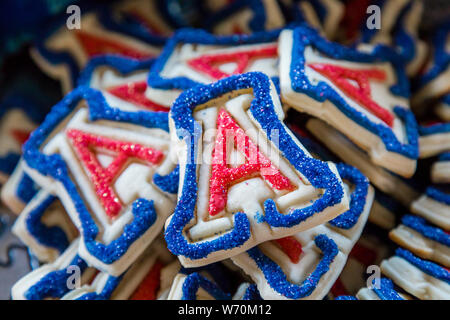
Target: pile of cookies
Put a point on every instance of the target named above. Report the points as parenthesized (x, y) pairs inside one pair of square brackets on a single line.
[(269, 154)]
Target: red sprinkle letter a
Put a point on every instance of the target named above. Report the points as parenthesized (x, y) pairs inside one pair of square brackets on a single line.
[(222, 176)]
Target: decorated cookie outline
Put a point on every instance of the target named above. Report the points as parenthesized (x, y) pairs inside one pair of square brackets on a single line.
[(62, 53), (389, 136), (186, 61), (142, 281), (222, 280), (56, 280), (246, 17), (267, 263), (423, 239), (186, 134), (434, 139), (215, 5), (15, 259), (122, 80), (421, 278), (369, 250), (384, 209), (90, 123), (198, 287), (45, 227), (434, 205), (403, 190)]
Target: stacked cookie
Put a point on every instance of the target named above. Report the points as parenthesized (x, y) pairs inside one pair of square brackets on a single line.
[(238, 161)]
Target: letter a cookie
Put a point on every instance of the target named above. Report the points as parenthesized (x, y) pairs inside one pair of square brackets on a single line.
[(244, 177)]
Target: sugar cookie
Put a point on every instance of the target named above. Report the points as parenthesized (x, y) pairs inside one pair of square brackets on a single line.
[(85, 153), (305, 265), (423, 239)]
